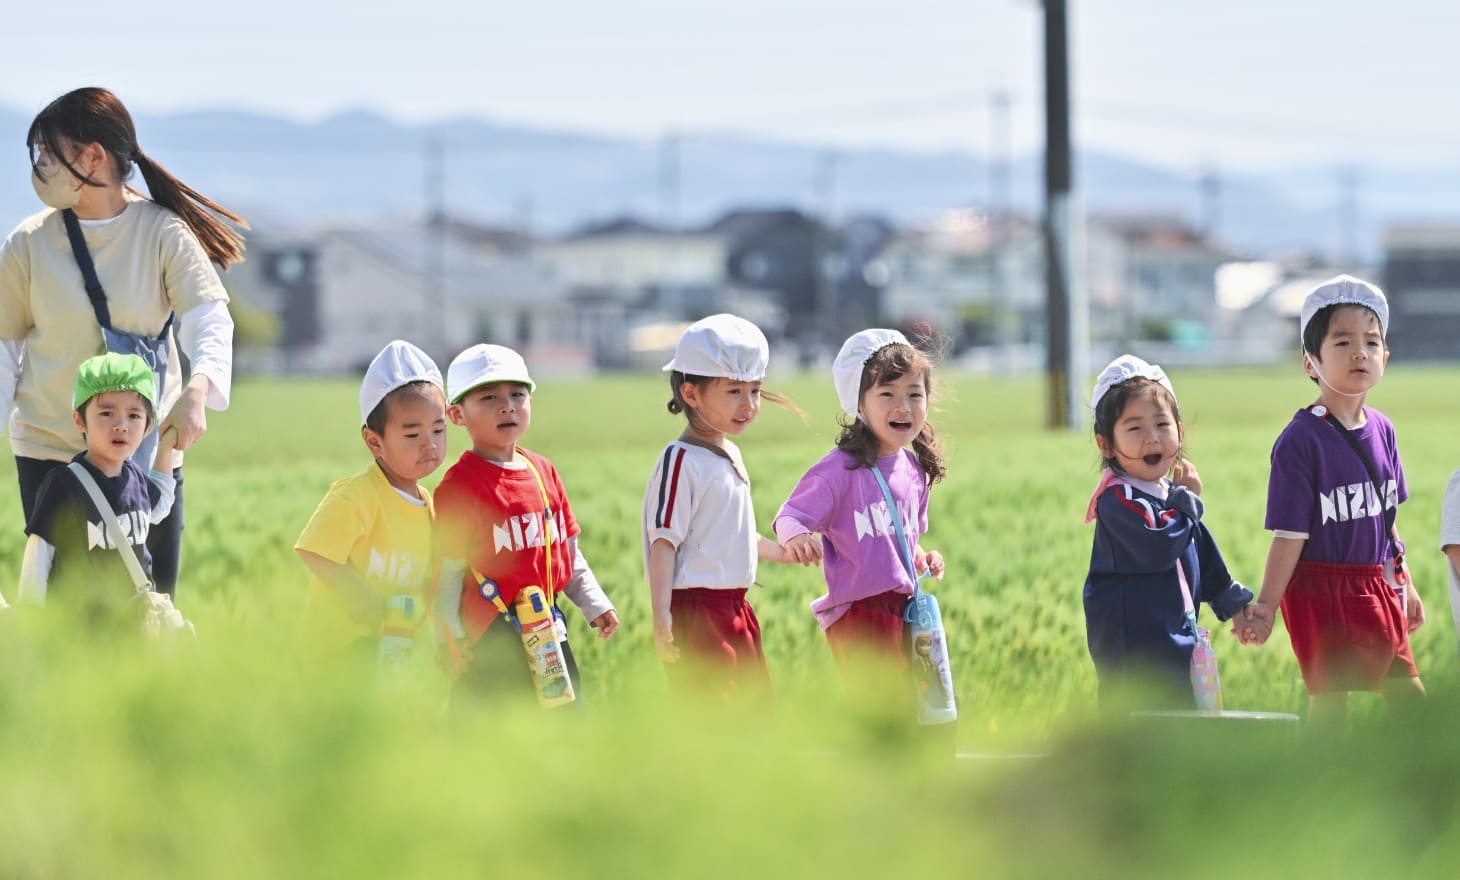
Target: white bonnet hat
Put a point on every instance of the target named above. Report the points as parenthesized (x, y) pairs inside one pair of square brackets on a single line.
[(1123, 369), (1344, 289), (399, 363), (846, 370), (483, 364), (723, 347)]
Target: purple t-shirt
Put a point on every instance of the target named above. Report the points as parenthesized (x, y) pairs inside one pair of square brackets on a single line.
[(1320, 486), (841, 499)]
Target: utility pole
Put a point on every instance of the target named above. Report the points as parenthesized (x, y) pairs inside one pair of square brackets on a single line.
[(671, 276), (1211, 202), (1066, 350), (824, 193), (1000, 150), (435, 247), (1348, 217)]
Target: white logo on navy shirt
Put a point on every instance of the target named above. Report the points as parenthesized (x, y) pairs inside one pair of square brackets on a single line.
[(134, 528)]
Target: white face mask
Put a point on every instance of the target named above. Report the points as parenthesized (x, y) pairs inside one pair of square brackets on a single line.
[(58, 188)]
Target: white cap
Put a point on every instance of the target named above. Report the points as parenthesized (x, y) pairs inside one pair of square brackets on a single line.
[(399, 363), (1344, 289), (846, 370), (482, 364), (722, 346), (1123, 369)]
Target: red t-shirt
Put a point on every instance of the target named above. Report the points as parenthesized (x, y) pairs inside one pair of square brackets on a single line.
[(492, 516)]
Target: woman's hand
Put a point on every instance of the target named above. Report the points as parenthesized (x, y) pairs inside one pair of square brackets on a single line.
[(188, 416)]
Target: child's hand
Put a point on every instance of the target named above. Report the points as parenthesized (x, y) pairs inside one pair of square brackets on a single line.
[(1416, 607), (805, 549), (1253, 624), (664, 636), (1184, 474), (606, 624), (930, 562)]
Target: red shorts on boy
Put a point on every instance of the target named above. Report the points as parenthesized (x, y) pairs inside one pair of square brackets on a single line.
[(870, 626), (1347, 627), (718, 637)]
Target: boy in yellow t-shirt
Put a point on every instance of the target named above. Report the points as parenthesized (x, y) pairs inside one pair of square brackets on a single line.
[(369, 541)]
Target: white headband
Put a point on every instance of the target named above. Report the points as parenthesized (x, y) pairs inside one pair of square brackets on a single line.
[(1344, 290), (846, 370), (1123, 369)]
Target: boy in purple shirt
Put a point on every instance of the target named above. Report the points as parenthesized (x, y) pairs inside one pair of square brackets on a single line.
[(1335, 486)]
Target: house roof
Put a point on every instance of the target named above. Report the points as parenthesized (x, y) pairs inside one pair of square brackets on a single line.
[(617, 226), (468, 272)]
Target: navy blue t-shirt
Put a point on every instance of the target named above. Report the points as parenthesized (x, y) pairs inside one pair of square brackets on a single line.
[(66, 519)]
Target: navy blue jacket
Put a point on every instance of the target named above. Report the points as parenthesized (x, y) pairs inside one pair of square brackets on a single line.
[(1134, 614)]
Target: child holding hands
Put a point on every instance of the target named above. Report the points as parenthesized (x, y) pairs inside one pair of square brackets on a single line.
[(883, 384), (1153, 560), (1333, 493), (700, 541), (70, 554)]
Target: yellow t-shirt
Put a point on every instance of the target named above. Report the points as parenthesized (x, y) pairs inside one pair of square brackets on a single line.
[(149, 262), (365, 524)]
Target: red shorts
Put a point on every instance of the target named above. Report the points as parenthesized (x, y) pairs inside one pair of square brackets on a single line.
[(718, 637), (1347, 627), (871, 626)]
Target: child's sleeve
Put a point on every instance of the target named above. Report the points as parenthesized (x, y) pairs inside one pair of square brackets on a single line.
[(35, 570), (453, 550), (808, 509), (1218, 588), (336, 526), (584, 590), (1291, 494), (1450, 513), (1142, 537), (669, 498), (161, 488)]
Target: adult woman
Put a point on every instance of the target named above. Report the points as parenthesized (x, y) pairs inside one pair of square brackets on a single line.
[(153, 258)]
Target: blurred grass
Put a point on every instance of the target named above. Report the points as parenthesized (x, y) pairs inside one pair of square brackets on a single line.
[(240, 759)]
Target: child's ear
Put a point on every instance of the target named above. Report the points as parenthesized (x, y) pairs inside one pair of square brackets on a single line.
[(456, 416), (1308, 365), (1104, 447), (690, 393), (80, 423), (373, 442)]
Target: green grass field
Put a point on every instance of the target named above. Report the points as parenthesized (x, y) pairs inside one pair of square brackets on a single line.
[(240, 760)]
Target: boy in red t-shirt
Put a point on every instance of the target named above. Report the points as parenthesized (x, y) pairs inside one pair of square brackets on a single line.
[(502, 514)]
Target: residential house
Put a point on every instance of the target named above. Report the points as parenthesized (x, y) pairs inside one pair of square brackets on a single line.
[(1421, 278)]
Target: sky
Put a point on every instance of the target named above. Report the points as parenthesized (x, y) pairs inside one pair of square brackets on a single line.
[(1242, 85)]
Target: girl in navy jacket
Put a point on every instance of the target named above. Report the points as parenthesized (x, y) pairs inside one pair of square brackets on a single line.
[(1151, 550)]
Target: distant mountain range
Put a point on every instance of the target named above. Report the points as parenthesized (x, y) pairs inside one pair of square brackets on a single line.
[(361, 165)]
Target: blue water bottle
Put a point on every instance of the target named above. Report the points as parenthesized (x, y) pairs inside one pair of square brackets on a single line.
[(931, 668)]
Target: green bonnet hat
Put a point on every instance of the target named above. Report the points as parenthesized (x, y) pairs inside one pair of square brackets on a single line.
[(114, 372)]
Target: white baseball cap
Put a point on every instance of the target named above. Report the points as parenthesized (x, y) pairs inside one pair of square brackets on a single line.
[(1344, 290), (846, 370), (483, 364), (399, 363), (722, 346), (1123, 369)]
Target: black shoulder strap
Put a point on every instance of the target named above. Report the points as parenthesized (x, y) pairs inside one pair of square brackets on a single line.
[(88, 270), (1389, 513)]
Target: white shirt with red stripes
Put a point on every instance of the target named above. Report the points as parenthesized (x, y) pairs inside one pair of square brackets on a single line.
[(699, 501)]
